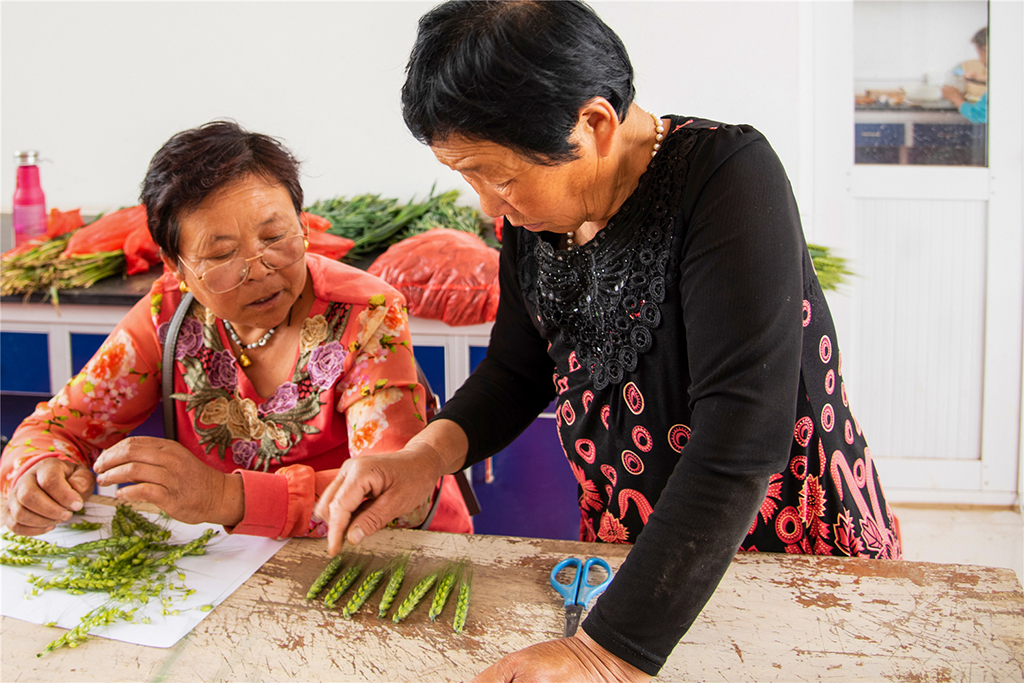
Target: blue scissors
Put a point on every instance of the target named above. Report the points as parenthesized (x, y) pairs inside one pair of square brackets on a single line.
[(580, 591)]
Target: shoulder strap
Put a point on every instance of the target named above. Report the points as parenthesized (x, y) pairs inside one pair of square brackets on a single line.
[(167, 366)]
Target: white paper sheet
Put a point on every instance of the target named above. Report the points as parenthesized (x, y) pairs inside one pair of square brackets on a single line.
[(229, 561)]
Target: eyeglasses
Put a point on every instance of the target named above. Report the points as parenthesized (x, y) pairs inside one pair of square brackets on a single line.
[(231, 275)]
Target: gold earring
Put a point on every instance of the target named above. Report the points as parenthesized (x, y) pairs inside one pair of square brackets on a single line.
[(183, 288)]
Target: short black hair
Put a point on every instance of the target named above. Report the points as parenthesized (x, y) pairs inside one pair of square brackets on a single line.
[(981, 38), (195, 163), (513, 72)]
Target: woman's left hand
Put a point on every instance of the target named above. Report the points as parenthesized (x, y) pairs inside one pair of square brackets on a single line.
[(570, 659), (168, 475)]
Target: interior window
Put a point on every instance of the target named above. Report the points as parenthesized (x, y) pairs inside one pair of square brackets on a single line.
[(920, 82)]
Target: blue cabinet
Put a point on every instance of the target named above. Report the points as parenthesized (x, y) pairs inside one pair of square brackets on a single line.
[(24, 376), (83, 347), (878, 143), (879, 134), (961, 144), (527, 489), (928, 137), (24, 363)]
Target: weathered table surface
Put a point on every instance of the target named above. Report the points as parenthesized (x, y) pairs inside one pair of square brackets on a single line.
[(773, 618)]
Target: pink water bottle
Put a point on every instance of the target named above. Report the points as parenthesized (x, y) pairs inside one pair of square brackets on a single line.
[(29, 214)]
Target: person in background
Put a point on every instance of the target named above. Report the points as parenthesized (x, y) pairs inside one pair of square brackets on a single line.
[(286, 364), (975, 112), (656, 283)]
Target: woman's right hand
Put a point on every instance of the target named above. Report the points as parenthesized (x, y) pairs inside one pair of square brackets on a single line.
[(48, 493), (371, 490)]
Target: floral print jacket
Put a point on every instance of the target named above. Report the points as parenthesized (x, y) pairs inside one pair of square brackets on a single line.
[(353, 391)]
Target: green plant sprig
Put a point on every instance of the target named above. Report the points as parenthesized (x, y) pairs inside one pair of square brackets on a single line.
[(375, 223), (363, 593), (395, 579), (132, 569), (448, 577), (414, 597), (344, 582), (462, 604), (328, 573), (832, 271)]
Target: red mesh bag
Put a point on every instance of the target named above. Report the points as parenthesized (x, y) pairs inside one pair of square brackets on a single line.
[(140, 251), (108, 232), (326, 244), (60, 222), (445, 275)]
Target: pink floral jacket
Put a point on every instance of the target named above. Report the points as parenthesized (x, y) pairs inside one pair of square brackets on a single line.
[(353, 391)]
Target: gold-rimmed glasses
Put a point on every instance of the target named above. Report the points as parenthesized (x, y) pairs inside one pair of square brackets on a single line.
[(227, 276)]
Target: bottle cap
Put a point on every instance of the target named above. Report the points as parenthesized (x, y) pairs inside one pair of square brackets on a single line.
[(27, 157)]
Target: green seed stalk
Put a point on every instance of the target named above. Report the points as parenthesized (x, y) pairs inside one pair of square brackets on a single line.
[(462, 605), (328, 573), (363, 593), (131, 567), (394, 583), (449, 575), (343, 584), (414, 598)]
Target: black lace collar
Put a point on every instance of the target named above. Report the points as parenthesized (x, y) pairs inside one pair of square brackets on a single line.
[(604, 297)]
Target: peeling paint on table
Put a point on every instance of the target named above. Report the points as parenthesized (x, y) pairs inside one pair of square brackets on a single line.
[(773, 618)]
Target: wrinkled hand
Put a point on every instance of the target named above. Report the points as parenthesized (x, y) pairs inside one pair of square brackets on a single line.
[(169, 476), (371, 490), (45, 495), (578, 659)]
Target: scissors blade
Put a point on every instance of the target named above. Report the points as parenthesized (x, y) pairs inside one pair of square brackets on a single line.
[(572, 619)]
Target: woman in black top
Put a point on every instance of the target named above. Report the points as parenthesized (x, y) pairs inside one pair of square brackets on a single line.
[(655, 279)]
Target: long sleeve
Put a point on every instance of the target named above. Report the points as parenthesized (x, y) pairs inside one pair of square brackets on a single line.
[(113, 394), (741, 284), (512, 384)]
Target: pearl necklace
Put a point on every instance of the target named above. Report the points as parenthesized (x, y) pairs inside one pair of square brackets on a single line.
[(659, 135), (262, 341)]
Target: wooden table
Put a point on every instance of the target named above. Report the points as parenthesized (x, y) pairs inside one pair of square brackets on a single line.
[(773, 618)]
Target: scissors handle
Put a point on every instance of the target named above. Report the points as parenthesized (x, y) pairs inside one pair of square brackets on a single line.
[(580, 591), (570, 590), (587, 590)]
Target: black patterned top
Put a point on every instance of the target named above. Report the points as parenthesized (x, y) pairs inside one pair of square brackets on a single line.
[(699, 394)]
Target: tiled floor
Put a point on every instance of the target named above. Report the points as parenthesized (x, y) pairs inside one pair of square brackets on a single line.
[(992, 537)]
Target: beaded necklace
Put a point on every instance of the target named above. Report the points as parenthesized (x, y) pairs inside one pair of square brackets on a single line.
[(262, 341)]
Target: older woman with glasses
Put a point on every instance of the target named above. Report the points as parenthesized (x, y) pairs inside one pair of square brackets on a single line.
[(286, 363)]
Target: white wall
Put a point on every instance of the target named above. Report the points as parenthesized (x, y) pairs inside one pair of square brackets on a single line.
[(97, 87)]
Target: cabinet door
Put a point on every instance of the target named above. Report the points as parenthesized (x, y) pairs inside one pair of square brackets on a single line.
[(528, 488), (24, 363), (24, 376)]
